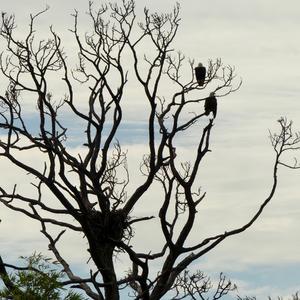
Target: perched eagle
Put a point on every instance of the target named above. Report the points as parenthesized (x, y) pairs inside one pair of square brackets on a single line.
[(200, 73), (210, 104)]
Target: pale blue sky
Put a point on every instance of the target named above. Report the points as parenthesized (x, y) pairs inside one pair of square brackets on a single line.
[(261, 39)]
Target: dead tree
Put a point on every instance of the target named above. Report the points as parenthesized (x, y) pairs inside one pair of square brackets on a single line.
[(91, 188)]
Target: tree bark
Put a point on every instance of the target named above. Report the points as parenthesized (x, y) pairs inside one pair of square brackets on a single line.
[(101, 248)]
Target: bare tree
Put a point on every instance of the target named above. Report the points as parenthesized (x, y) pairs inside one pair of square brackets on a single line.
[(91, 188)]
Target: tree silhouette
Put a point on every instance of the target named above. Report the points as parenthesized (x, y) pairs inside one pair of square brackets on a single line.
[(91, 187)]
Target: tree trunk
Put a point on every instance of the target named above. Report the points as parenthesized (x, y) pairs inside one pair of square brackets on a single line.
[(102, 251), (102, 256), (163, 284)]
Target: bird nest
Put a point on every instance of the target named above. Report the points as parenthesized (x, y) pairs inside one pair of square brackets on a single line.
[(111, 226)]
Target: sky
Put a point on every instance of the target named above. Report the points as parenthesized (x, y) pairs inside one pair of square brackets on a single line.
[(259, 38)]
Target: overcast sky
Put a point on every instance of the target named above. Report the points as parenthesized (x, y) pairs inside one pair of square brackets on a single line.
[(261, 39)]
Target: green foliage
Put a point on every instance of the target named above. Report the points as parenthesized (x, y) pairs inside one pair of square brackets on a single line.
[(40, 280)]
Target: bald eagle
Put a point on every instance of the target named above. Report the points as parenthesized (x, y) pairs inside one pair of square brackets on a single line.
[(200, 72), (210, 105)]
